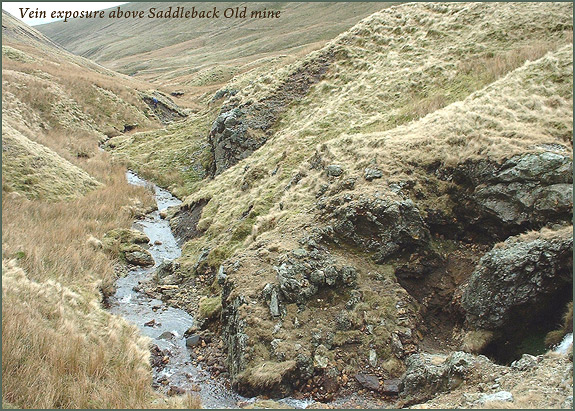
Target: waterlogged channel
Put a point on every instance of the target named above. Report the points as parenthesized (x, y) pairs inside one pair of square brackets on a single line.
[(170, 323)]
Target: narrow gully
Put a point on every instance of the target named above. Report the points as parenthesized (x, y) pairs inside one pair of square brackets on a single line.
[(170, 323)]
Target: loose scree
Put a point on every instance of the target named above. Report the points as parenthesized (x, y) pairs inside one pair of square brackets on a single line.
[(153, 13)]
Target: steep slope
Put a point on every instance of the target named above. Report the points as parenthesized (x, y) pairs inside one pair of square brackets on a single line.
[(356, 190), (50, 95), (197, 52), (60, 193), (37, 171)]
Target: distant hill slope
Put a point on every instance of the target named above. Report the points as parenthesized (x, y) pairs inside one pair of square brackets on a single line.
[(169, 48), (49, 95), (59, 191)]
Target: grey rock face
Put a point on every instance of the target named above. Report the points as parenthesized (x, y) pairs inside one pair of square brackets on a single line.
[(232, 140), (515, 281), (379, 225), (526, 192)]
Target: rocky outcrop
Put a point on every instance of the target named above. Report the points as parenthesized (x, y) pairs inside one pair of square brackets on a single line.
[(525, 192), (379, 225), (303, 273), (300, 275), (240, 129), (427, 375), (520, 280), (234, 334)]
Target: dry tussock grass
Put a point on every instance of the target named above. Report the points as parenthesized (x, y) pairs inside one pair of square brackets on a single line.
[(52, 235), (61, 350), (39, 172), (390, 69)]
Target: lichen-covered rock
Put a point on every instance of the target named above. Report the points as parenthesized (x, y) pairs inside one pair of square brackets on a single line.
[(372, 173), (525, 192), (519, 279), (380, 225), (334, 170), (232, 139), (136, 255), (301, 278), (427, 375), (126, 236)]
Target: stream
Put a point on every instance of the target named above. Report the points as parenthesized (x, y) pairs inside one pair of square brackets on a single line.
[(170, 323)]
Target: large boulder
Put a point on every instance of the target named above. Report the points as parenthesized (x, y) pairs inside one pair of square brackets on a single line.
[(520, 279), (136, 255), (427, 375)]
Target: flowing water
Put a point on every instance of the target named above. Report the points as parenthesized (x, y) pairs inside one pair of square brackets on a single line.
[(564, 346), (170, 323)]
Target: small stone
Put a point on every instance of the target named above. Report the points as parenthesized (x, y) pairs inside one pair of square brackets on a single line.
[(274, 304), (150, 323), (165, 336), (157, 242), (299, 252), (192, 340), (173, 390), (501, 396), (221, 275), (391, 387), (526, 362), (334, 170), (372, 173), (372, 358), (371, 382)]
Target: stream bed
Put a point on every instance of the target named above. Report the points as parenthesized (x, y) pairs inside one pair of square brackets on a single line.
[(170, 324)]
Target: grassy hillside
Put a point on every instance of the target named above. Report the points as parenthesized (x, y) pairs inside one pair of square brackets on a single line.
[(201, 52), (414, 92), (336, 204), (60, 193), (37, 171)]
